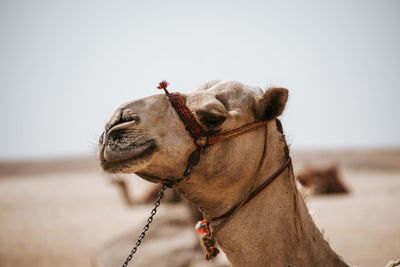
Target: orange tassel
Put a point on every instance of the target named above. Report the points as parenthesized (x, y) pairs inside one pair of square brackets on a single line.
[(207, 240)]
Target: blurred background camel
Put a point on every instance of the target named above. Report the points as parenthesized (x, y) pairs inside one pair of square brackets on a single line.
[(322, 180)]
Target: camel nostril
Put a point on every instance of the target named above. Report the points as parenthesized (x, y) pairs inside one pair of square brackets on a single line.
[(114, 120), (129, 115), (121, 117), (124, 119)]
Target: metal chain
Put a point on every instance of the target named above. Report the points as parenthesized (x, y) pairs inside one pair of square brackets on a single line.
[(147, 226), (153, 212), (192, 161)]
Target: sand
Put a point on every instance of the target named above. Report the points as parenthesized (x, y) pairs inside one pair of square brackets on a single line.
[(71, 215)]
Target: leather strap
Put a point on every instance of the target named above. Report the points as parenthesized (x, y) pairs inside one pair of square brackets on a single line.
[(256, 191)]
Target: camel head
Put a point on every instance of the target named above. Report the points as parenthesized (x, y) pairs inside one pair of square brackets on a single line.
[(147, 137)]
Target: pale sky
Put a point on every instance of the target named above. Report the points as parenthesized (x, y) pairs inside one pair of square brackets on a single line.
[(66, 65)]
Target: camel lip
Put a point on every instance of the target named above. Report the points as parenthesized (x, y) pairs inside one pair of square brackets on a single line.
[(119, 165), (136, 149), (153, 179), (149, 178)]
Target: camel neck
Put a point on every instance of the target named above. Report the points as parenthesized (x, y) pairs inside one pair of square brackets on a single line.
[(275, 228), (253, 194)]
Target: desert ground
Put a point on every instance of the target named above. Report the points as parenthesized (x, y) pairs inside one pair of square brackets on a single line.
[(66, 212)]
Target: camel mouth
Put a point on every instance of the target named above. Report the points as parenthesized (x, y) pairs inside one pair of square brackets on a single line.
[(131, 164), (122, 152)]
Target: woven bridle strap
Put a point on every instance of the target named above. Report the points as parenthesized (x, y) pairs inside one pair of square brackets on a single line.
[(192, 125), (194, 128), (212, 139)]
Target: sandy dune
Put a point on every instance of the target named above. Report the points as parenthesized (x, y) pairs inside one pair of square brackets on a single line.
[(66, 213)]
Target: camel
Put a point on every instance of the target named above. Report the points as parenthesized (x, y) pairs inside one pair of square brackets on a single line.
[(274, 228), (322, 180)]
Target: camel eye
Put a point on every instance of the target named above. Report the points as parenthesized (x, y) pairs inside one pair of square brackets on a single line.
[(211, 120)]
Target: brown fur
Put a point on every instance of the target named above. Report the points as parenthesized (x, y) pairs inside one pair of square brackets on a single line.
[(280, 129)]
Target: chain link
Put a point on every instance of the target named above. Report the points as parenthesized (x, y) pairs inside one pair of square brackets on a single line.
[(147, 225)]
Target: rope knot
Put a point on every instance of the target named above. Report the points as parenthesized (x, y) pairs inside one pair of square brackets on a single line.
[(207, 239), (208, 242)]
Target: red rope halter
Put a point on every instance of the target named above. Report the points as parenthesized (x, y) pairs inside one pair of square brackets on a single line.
[(195, 129)]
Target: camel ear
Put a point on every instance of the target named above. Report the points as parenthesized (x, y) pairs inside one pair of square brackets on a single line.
[(271, 104)]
